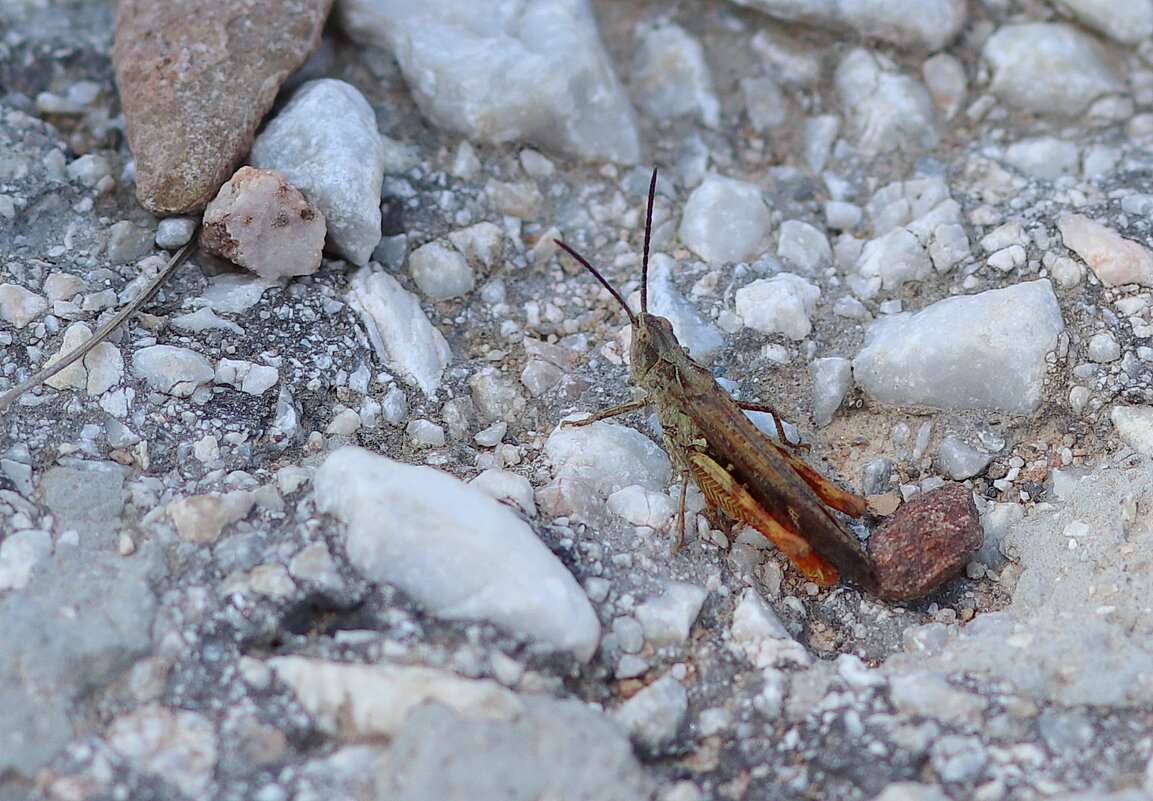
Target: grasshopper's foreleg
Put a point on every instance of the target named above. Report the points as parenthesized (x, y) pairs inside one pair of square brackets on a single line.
[(681, 511), (612, 411)]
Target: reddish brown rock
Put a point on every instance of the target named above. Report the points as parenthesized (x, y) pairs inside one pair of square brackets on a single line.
[(262, 222), (925, 543), (195, 79)]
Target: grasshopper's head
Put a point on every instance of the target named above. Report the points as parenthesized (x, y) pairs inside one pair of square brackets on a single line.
[(653, 338)]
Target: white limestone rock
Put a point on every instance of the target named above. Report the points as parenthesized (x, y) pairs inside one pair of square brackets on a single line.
[(453, 548), (1048, 68), (984, 351), (890, 111), (326, 143), (761, 637), (915, 24), (506, 70), (172, 370), (367, 702), (782, 304), (671, 77), (19, 306), (399, 330), (726, 220)]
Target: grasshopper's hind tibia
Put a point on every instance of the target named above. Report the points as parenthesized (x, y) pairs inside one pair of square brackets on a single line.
[(724, 492)]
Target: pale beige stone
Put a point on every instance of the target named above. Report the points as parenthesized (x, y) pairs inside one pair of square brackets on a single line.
[(1111, 257), (261, 222)]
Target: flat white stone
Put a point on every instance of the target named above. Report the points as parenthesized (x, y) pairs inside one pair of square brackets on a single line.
[(642, 507), (506, 70), (74, 376), (726, 220), (507, 486), (1044, 157), (453, 548), (20, 306), (984, 351), (654, 715), (105, 367), (254, 379), (667, 618), (326, 143), (440, 271), (891, 260), (20, 554), (671, 77), (1048, 68), (804, 247), (1134, 424), (175, 371), (1127, 21), (367, 702), (959, 460), (889, 111), (916, 24), (760, 635), (607, 457), (399, 330), (832, 379), (778, 305)]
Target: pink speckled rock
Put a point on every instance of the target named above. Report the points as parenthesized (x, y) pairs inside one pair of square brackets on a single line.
[(262, 222), (195, 79)]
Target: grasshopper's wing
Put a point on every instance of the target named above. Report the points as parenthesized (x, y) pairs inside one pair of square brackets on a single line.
[(785, 487), (724, 492)]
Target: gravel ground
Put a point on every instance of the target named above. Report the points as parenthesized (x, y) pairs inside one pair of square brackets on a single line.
[(230, 570)]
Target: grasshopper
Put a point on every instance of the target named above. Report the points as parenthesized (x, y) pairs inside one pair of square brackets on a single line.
[(741, 471)]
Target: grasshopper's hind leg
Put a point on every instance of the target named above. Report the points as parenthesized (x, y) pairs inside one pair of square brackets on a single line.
[(724, 492), (781, 435)]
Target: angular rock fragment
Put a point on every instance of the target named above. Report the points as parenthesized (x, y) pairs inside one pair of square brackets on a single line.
[(926, 542), (195, 80), (260, 221), (506, 70)]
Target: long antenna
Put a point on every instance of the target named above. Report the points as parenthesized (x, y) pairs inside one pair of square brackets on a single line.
[(601, 278), (648, 238)]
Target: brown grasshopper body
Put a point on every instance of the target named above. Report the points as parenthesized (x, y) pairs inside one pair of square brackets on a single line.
[(739, 469)]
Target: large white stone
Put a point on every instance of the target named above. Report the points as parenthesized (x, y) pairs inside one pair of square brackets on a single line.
[(176, 371), (671, 77), (326, 143), (454, 548), (984, 351), (506, 70)]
